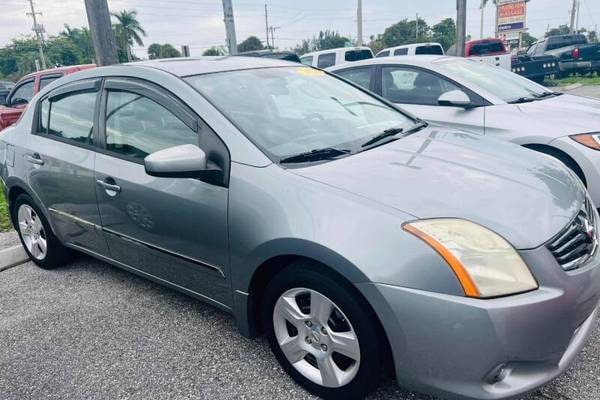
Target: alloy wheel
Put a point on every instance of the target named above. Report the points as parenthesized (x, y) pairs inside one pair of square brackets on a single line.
[(316, 337), (32, 232)]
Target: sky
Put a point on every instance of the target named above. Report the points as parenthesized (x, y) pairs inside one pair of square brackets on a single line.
[(199, 23)]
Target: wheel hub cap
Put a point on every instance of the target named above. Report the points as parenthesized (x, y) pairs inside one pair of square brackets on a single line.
[(316, 337), (32, 232)]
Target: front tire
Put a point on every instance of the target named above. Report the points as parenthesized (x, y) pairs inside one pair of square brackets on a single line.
[(38, 240), (323, 333)]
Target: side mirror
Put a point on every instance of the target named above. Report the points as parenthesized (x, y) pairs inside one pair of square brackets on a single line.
[(185, 161), (454, 98)]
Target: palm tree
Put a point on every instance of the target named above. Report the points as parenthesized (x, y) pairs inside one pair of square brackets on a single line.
[(128, 30)]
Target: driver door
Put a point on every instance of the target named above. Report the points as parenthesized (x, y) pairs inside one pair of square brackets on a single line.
[(170, 229)]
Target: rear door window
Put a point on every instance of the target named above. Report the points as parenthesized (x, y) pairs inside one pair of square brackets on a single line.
[(357, 55), (70, 117), (46, 80), (401, 52), (326, 60)]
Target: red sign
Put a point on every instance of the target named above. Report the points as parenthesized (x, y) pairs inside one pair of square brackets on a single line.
[(511, 10)]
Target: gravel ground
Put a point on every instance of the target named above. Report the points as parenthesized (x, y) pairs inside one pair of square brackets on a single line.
[(89, 330), (8, 239), (586, 91)]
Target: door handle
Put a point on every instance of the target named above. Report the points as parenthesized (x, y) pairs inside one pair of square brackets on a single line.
[(35, 159), (109, 186)]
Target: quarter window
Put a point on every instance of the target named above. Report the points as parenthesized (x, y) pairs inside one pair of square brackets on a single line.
[(326, 60), (412, 86), (70, 117), (137, 126)]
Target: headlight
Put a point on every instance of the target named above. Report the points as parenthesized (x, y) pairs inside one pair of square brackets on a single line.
[(591, 140), (484, 263)]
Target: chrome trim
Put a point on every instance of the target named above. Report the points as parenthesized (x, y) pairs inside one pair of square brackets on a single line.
[(168, 252), (74, 218)]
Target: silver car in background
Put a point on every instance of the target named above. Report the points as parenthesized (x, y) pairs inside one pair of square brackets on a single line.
[(490, 101), (352, 235)]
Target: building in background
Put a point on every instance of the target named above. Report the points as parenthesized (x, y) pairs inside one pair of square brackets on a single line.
[(511, 16)]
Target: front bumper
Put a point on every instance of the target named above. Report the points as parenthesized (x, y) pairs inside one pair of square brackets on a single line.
[(458, 347)]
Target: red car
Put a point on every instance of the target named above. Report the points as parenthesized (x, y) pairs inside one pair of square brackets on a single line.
[(29, 86)]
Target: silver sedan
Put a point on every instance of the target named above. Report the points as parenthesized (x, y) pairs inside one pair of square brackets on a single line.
[(490, 101), (354, 236)]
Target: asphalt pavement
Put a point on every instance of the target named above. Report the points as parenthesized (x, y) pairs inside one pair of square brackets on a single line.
[(92, 331)]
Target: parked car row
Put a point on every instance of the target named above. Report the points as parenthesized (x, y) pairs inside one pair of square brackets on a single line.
[(319, 212)]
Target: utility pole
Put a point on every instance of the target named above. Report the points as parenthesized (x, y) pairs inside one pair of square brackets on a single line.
[(359, 24), (577, 22), (230, 27), (273, 29), (39, 33), (417, 26), (573, 11), (103, 39), (267, 24), (461, 27), (483, 3)]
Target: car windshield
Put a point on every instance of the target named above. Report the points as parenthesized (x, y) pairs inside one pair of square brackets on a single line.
[(293, 110), (501, 83)]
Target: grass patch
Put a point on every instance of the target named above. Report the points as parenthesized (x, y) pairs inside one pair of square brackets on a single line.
[(4, 221), (586, 80)]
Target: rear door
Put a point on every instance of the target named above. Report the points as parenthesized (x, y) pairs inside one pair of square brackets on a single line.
[(417, 90), (60, 163), (173, 230)]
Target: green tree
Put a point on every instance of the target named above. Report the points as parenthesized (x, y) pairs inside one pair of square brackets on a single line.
[(527, 40), (444, 32), (62, 51), (325, 40), (250, 44), (404, 32), (128, 31), (215, 51), (157, 50), (82, 39), (561, 30)]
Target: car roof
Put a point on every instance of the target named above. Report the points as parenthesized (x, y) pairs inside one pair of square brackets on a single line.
[(339, 49), (186, 66), (64, 70), (406, 60)]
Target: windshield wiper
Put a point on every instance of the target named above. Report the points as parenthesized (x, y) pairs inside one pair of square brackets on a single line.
[(327, 153), (387, 133), (523, 100), (547, 94)]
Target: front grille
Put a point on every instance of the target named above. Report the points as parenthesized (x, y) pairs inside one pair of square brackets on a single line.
[(577, 243)]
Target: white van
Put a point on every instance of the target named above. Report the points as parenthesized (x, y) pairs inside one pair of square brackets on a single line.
[(331, 57), (414, 49)]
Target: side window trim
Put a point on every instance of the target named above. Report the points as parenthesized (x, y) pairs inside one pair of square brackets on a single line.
[(88, 85)]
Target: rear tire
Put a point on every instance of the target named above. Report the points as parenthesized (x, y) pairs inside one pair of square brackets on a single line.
[(310, 314), (37, 238)]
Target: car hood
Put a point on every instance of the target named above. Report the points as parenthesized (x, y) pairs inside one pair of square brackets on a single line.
[(524, 196), (553, 117)]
